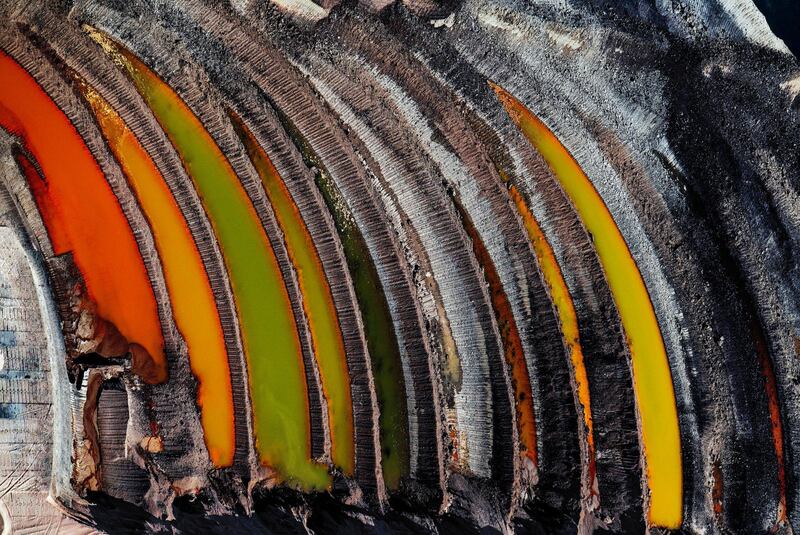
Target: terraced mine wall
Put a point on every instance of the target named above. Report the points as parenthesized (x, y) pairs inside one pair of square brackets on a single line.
[(414, 266)]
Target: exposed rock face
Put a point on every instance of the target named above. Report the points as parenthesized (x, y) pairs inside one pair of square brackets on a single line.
[(560, 241)]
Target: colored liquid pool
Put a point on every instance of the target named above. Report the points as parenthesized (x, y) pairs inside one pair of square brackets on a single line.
[(317, 302), (652, 380), (189, 290), (378, 327), (562, 301), (81, 213), (269, 333)]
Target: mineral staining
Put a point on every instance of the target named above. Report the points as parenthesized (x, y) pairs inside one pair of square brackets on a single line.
[(82, 215), (562, 301), (317, 301), (509, 334), (189, 290), (378, 327), (651, 374), (269, 333), (776, 426)]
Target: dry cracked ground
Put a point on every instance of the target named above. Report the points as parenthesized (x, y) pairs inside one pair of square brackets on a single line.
[(458, 266)]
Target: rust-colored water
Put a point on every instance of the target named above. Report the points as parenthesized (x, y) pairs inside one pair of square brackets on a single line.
[(512, 344), (81, 213), (562, 300), (190, 292), (771, 387), (652, 380), (269, 333), (48, 210), (317, 302)]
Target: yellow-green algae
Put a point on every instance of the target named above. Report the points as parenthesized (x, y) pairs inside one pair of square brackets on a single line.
[(317, 301), (378, 327)]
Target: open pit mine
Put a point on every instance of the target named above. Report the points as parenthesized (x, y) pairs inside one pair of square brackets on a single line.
[(399, 266)]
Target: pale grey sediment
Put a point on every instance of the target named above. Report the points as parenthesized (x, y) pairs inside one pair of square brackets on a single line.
[(35, 429)]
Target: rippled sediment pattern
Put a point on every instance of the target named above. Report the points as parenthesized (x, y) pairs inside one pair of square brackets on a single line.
[(512, 344), (400, 267)]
